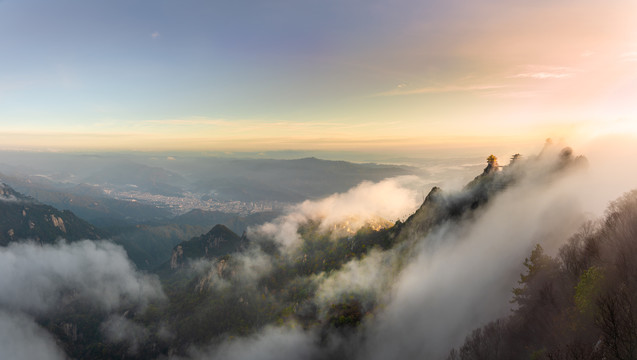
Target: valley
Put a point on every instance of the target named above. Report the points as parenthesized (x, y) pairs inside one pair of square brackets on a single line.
[(315, 274)]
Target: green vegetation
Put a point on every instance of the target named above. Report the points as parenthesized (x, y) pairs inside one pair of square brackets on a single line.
[(219, 285), (579, 305), (587, 290)]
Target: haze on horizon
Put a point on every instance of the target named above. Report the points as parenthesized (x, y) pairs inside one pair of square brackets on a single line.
[(385, 76)]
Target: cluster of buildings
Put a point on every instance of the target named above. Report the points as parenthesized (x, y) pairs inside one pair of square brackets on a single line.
[(190, 201)]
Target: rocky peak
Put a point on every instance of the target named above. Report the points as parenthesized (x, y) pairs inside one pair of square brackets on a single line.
[(434, 195), (217, 242), (492, 165), (176, 257), (22, 217)]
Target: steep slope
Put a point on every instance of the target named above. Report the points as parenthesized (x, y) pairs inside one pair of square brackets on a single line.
[(328, 284), (219, 241), (23, 218), (579, 304), (239, 293), (149, 246)]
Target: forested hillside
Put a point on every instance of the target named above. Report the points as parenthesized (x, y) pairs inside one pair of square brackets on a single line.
[(580, 304), (343, 278)]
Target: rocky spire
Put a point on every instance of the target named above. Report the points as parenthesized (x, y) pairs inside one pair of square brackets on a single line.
[(492, 165)]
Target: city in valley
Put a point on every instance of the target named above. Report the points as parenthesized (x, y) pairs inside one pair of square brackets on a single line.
[(190, 201)]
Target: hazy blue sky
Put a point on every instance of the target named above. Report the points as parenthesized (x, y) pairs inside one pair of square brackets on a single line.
[(346, 75)]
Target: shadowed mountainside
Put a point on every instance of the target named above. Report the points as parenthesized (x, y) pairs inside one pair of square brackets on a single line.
[(23, 218), (326, 289), (580, 304)]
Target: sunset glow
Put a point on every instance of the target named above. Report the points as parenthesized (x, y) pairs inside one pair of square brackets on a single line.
[(333, 75)]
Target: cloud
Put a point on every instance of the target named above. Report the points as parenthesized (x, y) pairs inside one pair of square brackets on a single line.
[(403, 91), (155, 35), (463, 273), (118, 329), (250, 126), (543, 75), (37, 279), (521, 94), (22, 339), (367, 278), (427, 292), (273, 343), (368, 203), (546, 72), (10, 198), (432, 290), (251, 265), (191, 122)]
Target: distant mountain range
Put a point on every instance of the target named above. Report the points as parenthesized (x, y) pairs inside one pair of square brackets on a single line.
[(59, 177), (289, 180), (222, 286), (87, 201)]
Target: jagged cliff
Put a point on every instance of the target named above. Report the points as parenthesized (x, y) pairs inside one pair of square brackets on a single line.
[(237, 286), (219, 241), (23, 218)]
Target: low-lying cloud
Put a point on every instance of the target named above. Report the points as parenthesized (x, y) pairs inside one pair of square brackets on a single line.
[(272, 343), (40, 278), (37, 280), (425, 294), (22, 339), (375, 204), (466, 280), (118, 329), (457, 277)]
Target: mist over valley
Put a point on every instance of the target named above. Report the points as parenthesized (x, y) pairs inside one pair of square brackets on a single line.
[(384, 262), (318, 180)]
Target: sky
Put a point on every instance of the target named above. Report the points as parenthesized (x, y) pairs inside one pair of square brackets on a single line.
[(342, 75)]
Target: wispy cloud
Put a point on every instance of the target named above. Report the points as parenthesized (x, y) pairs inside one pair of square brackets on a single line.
[(190, 122), (517, 94), (262, 124), (155, 35), (545, 72), (403, 90), (543, 75)]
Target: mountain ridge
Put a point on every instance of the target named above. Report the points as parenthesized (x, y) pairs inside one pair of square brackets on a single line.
[(217, 242), (23, 218)]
